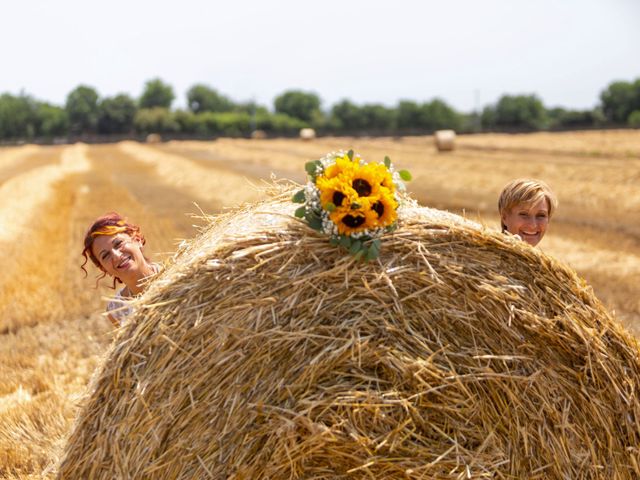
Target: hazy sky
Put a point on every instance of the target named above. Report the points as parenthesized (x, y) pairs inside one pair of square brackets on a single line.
[(464, 51)]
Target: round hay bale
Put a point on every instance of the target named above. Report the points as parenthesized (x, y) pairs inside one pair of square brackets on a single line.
[(265, 352), (154, 138), (307, 133), (445, 140), (258, 134)]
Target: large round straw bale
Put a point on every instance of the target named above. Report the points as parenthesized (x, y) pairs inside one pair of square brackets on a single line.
[(265, 352), (445, 140), (307, 133), (154, 138), (258, 134)]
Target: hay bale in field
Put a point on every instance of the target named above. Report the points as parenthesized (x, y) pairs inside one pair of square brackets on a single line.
[(444, 140), (154, 138), (258, 134), (265, 352), (307, 133)]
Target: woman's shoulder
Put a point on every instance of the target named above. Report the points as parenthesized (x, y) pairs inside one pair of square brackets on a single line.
[(117, 306)]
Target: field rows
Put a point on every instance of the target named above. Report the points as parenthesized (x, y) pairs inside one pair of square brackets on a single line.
[(53, 335)]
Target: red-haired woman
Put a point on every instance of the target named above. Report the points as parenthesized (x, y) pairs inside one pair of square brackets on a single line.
[(115, 247)]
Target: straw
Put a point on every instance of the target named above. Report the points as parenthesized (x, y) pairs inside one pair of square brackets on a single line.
[(264, 352)]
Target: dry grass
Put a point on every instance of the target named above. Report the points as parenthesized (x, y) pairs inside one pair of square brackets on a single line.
[(264, 352), (224, 188), (47, 203)]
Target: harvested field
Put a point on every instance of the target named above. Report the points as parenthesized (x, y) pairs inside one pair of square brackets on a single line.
[(53, 338)]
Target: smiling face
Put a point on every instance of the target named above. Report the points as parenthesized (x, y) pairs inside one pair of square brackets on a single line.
[(120, 256), (528, 220)]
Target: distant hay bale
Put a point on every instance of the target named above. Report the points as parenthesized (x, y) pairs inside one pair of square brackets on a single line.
[(258, 134), (154, 138), (445, 140), (307, 133), (265, 352)]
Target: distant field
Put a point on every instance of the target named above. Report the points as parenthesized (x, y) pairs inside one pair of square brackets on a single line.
[(53, 336)]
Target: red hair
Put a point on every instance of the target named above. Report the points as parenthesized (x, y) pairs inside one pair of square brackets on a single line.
[(108, 224)]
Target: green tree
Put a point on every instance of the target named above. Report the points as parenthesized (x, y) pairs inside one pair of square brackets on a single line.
[(516, 111), (201, 98), (186, 122), (437, 114), (157, 94), (408, 114), (347, 116), (52, 120), (155, 120), (634, 119), (298, 104), (378, 117), (278, 123), (488, 117), (563, 118), (18, 116), (619, 99), (82, 109), (250, 107), (116, 114)]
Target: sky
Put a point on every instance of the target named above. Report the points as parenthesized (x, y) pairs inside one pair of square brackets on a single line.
[(466, 52)]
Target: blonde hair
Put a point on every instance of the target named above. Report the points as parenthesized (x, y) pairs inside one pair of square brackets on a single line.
[(527, 191)]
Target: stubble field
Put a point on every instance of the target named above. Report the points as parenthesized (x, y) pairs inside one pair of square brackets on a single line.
[(52, 335)]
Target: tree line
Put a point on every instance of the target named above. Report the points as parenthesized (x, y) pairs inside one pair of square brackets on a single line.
[(211, 113)]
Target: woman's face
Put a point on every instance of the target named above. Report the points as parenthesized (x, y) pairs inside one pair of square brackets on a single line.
[(528, 220), (120, 256)]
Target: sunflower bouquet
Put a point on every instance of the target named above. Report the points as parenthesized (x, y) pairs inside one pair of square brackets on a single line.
[(352, 201)]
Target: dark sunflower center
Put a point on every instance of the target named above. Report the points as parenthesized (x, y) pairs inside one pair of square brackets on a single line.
[(337, 198), (362, 187), (378, 207), (352, 221)]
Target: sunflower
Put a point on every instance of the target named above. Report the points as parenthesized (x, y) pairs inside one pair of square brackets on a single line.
[(385, 206), (368, 179), (342, 166), (336, 190), (355, 217)]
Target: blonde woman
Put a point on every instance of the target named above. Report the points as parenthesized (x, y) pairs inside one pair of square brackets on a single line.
[(526, 206)]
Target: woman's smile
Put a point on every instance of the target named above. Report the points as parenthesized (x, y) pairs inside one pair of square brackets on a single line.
[(125, 263)]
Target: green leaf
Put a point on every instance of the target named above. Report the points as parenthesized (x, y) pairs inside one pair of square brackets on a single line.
[(314, 220), (359, 254), (405, 175), (345, 241), (300, 211), (310, 167), (355, 247), (350, 155), (299, 197), (334, 241), (372, 254), (387, 162), (329, 207)]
